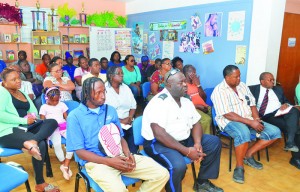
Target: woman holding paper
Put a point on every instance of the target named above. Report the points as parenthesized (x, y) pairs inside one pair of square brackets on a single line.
[(121, 98), (17, 110)]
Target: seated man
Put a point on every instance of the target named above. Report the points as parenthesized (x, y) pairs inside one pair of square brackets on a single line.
[(172, 130), (236, 114), (270, 99), (95, 68), (153, 68), (69, 66), (22, 56), (84, 124), (144, 66)]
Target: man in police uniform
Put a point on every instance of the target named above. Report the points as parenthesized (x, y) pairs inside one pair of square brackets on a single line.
[(172, 130)]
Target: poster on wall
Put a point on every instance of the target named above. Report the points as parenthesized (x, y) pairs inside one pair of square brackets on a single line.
[(190, 42), (168, 35), (176, 25), (168, 49), (208, 47), (155, 51), (195, 22), (122, 42), (145, 38), (137, 37), (240, 54), (152, 38), (236, 25), (104, 39), (213, 24)]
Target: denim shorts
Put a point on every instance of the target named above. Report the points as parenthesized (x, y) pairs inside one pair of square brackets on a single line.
[(241, 133)]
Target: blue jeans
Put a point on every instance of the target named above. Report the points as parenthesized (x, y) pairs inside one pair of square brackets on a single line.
[(241, 133), (134, 90)]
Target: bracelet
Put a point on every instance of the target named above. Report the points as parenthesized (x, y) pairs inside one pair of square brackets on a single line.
[(188, 152)]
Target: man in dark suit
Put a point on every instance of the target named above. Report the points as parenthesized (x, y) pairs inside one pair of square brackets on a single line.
[(270, 99)]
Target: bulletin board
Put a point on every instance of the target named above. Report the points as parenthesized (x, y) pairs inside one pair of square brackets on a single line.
[(104, 41)]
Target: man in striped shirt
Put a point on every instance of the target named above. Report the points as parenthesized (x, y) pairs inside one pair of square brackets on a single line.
[(236, 114)]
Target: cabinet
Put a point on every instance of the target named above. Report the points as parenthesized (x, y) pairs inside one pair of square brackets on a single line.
[(75, 39), (10, 42), (46, 42)]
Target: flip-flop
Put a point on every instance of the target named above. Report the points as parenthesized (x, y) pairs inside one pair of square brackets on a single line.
[(35, 155)]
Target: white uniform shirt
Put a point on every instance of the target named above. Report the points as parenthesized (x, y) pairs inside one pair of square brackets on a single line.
[(273, 102), (164, 111), (122, 102)]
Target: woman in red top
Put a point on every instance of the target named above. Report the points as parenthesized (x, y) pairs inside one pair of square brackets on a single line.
[(42, 68), (198, 97)]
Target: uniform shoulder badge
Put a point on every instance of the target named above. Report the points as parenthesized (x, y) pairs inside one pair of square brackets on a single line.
[(163, 96)]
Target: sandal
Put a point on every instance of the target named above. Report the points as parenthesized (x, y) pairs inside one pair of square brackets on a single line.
[(48, 188), (65, 171), (34, 150)]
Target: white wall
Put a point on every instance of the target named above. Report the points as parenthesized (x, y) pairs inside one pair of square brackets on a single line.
[(265, 37)]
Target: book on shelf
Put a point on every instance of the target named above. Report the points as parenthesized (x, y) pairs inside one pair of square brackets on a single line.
[(36, 40), (7, 38), (77, 53), (71, 39), (76, 38), (71, 53), (1, 55), (83, 38), (51, 53), (43, 40), (57, 40), (36, 54), (16, 38), (57, 53), (10, 55), (65, 39), (43, 52), (50, 40)]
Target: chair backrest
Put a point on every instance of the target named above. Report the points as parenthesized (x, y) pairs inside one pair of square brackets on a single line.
[(208, 92), (43, 98), (71, 105), (146, 89), (7, 172), (137, 128)]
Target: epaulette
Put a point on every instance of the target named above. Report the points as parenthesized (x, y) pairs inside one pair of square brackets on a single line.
[(163, 96)]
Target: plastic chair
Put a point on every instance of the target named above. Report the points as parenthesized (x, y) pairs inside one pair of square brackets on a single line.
[(139, 140), (220, 134), (146, 87), (90, 183), (12, 177), (208, 92)]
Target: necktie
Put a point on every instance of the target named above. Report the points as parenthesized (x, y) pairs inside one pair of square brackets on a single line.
[(264, 104)]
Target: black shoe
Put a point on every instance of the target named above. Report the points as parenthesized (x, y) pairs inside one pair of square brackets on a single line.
[(295, 162), (292, 148), (252, 163), (238, 175), (208, 187)]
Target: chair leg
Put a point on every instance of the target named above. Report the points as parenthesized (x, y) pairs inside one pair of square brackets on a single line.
[(194, 176), (267, 154), (77, 182), (258, 156), (49, 172), (230, 153), (27, 186)]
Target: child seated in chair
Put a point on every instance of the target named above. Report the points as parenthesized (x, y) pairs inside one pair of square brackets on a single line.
[(54, 109)]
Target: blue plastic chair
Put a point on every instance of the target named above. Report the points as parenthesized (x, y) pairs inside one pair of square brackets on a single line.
[(90, 183), (139, 140), (208, 92), (146, 87), (220, 133), (12, 177)]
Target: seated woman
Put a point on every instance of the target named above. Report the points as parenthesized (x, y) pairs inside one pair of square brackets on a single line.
[(115, 60), (79, 73), (144, 66), (17, 108), (157, 78), (198, 96), (58, 61), (177, 63), (66, 86), (121, 98), (153, 68), (132, 75), (42, 68)]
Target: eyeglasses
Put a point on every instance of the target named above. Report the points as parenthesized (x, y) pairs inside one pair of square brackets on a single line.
[(119, 73), (132, 60), (57, 71), (172, 72)]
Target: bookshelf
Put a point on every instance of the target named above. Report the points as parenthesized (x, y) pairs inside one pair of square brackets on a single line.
[(10, 42), (74, 38), (45, 42)]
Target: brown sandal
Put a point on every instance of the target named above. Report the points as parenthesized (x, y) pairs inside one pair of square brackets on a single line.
[(48, 188), (35, 153)]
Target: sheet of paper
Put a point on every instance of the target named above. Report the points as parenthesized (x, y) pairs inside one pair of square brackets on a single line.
[(282, 112)]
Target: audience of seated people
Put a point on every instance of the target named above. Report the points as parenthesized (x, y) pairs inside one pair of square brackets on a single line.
[(69, 66), (79, 72), (42, 68), (115, 60), (156, 66), (104, 65), (132, 75), (157, 78), (66, 86), (143, 66), (22, 56), (198, 97), (177, 63), (95, 68), (119, 95)]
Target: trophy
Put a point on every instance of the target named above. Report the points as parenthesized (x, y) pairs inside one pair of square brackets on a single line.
[(82, 15), (36, 25), (17, 6), (52, 20)]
